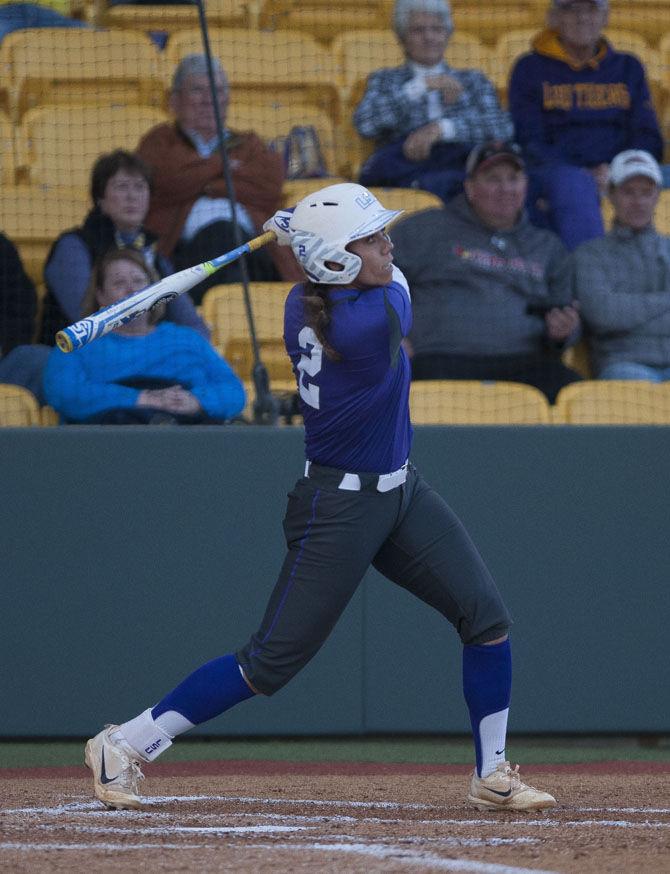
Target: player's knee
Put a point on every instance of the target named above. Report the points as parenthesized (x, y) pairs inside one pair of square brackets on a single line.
[(493, 633)]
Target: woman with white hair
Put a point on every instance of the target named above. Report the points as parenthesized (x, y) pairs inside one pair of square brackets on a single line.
[(426, 116)]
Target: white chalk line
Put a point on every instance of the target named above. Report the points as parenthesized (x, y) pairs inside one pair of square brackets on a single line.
[(180, 829), (378, 851), (411, 857), (447, 841)]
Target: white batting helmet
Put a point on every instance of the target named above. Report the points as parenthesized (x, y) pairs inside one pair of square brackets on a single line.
[(323, 224)]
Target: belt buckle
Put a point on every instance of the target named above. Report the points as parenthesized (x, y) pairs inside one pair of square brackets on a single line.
[(388, 481)]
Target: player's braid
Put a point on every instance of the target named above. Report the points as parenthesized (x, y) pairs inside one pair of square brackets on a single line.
[(318, 306)]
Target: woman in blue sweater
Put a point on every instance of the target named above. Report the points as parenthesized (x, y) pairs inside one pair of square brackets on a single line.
[(142, 372)]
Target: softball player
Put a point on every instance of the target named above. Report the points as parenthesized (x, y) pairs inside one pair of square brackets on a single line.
[(359, 502)]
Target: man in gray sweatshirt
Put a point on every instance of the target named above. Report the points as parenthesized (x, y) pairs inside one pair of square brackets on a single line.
[(622, 280), (491, 296)]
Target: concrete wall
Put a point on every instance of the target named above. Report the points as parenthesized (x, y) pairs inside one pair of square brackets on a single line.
[(132, 555)]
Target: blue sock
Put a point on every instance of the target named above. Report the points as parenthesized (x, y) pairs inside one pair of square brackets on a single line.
[(212, 689), (487, 687)]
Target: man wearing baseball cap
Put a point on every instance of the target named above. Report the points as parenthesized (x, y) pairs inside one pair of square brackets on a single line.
[(576, 102), (489, 290), (622, 280)]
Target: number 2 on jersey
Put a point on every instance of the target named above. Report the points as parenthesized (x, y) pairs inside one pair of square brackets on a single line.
[(311, 355)]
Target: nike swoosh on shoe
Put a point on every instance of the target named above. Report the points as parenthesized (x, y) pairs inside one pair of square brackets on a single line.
[(103, 774)]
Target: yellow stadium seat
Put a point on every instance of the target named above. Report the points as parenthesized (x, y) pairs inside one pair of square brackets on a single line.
[(409, 199), (487, 20), (468, 402), (18, 407), (33, 217), (270, 118), (287, 65), (58, 145), (628, 40), (324, 19), (614, 402), (223, 308), (648, 19), (48, 416), (507, 49), (295, 189), (171, 19), (7, 151), (68, 65), (239, 354)]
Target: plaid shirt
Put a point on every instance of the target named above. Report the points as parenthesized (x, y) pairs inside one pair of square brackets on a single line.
[(385, 114)]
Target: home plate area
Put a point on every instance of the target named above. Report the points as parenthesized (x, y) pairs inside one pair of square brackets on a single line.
[(388, 820)]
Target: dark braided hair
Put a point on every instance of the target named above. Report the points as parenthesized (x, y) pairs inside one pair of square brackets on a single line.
[(318, 306)]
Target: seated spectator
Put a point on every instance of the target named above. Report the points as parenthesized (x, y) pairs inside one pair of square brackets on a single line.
[(489, 294), (120, 186), (21, 363), (190, 209), (622, 280), (48, 13), (425, 116), (576, 102), (142, 372)]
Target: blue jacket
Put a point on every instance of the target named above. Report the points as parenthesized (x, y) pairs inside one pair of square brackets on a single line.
[(89, 381), (582, 115)]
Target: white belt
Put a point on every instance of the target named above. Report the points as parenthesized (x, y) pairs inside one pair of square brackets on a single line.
[(351, 482)]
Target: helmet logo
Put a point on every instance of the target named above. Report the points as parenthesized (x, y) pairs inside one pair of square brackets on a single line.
[(365, 199)]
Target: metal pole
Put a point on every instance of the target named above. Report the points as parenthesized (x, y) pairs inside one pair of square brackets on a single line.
[(265, 404)]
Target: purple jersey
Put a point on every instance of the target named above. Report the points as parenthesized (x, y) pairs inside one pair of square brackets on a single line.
[(356, 410)]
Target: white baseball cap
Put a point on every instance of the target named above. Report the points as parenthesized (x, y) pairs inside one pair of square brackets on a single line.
[(634, 162)]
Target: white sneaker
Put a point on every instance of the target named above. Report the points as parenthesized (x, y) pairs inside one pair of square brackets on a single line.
[(503, 790), (116, 770)]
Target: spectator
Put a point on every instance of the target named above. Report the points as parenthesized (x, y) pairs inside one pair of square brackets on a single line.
[(120, 186), (576, 102), (622, 280), (48, 13), (140, 373), (20, 362), (190, 209), (425, 116), (490, 297)]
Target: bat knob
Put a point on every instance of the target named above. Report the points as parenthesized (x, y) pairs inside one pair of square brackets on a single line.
[(64, 341)]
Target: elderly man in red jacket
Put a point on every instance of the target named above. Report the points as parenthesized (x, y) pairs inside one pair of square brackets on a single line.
[(190, 207)]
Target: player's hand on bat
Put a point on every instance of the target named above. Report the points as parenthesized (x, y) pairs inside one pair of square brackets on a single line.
[(448, 86), (561, 322), (418, 144), (279, 223)]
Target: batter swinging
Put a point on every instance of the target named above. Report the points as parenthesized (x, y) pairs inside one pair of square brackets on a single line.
[(360, 503)]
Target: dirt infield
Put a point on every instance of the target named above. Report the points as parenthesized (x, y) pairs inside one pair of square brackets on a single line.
[(282, 816)]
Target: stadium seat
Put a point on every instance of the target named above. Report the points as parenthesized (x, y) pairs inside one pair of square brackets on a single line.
[(468, 402), (238, 353), (270, 119), (295, 189), (171, 19), (223, 308), (324, 19), (33, 217), (614, 402), (18, 407), (7, 151), (507, 49), (63, 65), (487, 20), (58, 145), (286, 65), (409, 199)]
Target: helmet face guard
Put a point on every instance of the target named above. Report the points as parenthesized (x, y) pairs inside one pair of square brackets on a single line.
[(324, 223)]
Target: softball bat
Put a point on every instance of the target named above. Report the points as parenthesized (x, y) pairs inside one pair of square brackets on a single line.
[(105, 320)]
